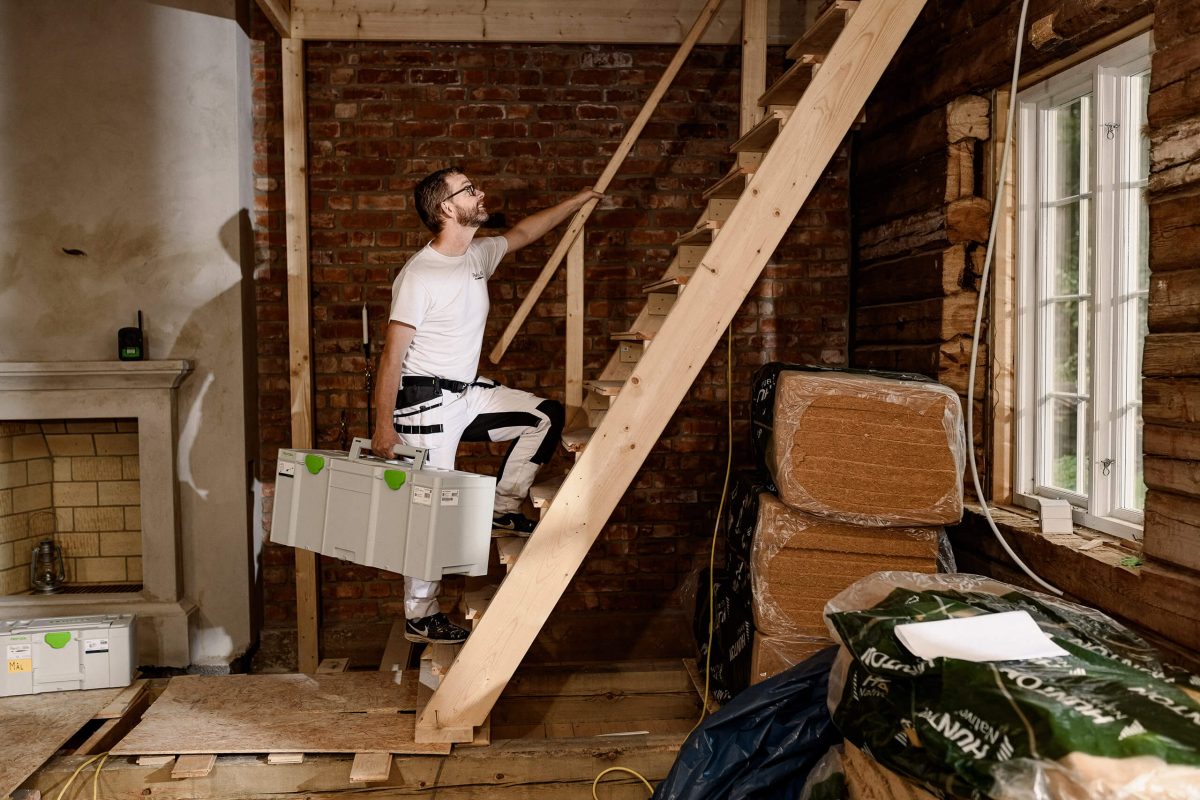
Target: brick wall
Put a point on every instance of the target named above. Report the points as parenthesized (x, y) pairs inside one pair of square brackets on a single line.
[(531, 125), (75, 481)]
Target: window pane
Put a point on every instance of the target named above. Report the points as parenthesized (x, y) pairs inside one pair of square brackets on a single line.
[(1071, 249), (1070, 149), (1068, 374), (1067, 465)]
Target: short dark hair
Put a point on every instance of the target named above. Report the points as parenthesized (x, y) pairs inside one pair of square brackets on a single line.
[(430, 193)]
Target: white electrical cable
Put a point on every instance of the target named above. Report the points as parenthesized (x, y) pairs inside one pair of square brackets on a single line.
[(983, 284)]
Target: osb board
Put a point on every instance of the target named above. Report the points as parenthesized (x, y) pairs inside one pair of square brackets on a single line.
[(35, 726), (352, 712)]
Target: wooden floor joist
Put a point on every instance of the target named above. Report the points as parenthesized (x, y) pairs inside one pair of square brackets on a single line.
[(662, 377)]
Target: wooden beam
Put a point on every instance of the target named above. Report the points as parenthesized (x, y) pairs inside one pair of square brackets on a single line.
[(663, 375), (279, 14), (573, 398), (614, 163), (754, 62), (295, 168), (614, 21), (1003, 325)]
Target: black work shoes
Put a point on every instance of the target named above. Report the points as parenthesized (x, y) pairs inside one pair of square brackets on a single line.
[(434, 629), (514, 522)]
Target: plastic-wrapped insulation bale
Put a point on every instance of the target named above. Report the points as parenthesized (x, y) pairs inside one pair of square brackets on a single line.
[(799, 561), (860, 447), (1103, 722), (771, 655)]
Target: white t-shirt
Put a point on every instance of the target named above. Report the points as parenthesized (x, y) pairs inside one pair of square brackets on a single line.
[(445, 298)]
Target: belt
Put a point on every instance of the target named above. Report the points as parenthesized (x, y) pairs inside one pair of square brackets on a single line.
[(457, 387)]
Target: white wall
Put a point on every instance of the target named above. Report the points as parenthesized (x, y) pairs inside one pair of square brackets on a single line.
[(124, 133)]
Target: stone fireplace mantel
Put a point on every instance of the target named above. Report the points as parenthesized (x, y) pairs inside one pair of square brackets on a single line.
[(145, 390)]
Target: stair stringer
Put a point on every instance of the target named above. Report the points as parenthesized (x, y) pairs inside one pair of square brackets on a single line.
[(662, 377)]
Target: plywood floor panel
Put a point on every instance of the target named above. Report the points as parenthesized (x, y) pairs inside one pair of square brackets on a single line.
[(35, 726), (350, 712)]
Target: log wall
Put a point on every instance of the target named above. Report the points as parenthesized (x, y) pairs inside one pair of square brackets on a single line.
[(920, 213)]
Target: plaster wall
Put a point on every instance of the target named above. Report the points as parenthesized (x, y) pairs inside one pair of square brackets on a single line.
[(124, 138)]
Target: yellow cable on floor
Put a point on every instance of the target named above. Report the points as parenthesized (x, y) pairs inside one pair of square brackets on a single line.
[(95, 778), (637, 775)]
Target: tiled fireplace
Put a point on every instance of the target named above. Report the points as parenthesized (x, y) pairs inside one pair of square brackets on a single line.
[(88, 456)]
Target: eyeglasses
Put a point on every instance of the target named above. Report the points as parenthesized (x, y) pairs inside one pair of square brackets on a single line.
[(469, 189)]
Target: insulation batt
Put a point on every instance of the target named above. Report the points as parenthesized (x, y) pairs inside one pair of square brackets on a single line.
[(867, 449), (799, 561)]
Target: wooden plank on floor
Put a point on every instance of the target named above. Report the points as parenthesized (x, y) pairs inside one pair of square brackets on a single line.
[(121, 703), (154, 761), (598, 708), (370, 767), (349, 712), (113, 730), (634, 678), (517, 768), (193, 766), (260, 730), (344, 692), (35, 726), (329, 666), (285, 758)]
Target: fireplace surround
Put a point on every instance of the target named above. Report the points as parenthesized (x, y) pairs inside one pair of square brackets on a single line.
[(147, 391)]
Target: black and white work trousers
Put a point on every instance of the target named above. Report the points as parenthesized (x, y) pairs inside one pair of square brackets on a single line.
[(437, 419)]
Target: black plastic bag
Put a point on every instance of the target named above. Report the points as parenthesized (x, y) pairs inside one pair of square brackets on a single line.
[(762, 744)]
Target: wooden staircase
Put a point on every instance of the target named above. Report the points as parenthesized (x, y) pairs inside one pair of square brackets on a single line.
[(807, 114)]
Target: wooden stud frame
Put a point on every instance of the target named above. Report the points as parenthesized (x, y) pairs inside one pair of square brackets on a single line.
[(662, 377), (295, 167)]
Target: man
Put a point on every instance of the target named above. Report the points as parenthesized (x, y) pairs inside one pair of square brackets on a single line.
[(428, 394)]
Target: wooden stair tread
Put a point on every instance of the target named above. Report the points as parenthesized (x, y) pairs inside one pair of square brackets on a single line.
[(791, 85), (732, 185), (633, 336), (678, 281), (509, 549), (759, 138), (540, 494), (575, 440), (605, 388), (824, 31), (699, 235)]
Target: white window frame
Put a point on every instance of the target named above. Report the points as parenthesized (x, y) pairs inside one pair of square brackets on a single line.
[(1112, 308)]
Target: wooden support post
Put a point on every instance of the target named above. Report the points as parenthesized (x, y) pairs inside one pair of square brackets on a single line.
[(1002, 325), (618, 157), (575, 309), (665, 372), (754, 62), (295, 168)]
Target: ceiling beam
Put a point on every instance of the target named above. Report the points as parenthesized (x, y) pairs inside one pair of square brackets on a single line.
[(279, 12), (530, 21)]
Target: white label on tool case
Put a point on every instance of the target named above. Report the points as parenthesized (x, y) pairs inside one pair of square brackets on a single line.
[(449, 497), (288, 468), (20, 658), (95, 645), (423, 495)]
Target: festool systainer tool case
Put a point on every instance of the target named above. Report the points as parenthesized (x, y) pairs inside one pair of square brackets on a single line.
[(301, 485), (406, 517), (56, 653)]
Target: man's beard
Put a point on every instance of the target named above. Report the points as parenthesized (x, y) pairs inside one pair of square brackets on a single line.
[(470, 219)]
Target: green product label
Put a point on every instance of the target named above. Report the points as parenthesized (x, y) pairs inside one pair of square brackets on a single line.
[(58, 639), (394, 478), (315, 463)]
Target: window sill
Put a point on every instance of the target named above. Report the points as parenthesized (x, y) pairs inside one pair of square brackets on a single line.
[(1156, 599), (1098, 545)]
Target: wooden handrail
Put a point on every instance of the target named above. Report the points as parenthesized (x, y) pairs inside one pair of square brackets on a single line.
[(631, 136)]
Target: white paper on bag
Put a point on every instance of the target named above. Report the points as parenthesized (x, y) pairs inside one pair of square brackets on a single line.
[(1004, 636)]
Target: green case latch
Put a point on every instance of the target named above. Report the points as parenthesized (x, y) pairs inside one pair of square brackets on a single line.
[(394, 478)]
